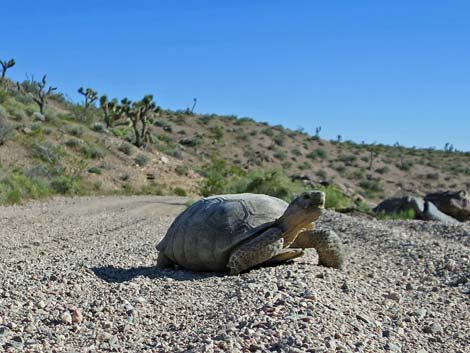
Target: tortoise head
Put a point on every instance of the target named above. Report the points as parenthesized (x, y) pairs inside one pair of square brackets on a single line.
[(303, 210)]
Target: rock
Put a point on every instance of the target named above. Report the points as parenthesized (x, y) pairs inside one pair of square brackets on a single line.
[(424, 210), (393, 296), (455, 204), (392, 347), (432, 328), (164, 160), (77, 316), (66, 318)]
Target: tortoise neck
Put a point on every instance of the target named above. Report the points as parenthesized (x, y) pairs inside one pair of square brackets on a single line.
[(290, 229)]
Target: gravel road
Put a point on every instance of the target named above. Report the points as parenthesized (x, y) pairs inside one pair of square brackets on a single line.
[(79, 275)]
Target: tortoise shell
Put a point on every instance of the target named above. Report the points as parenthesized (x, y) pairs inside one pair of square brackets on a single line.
[(206, 233)]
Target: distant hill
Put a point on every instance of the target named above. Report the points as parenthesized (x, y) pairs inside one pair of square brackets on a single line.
[(69, 150)]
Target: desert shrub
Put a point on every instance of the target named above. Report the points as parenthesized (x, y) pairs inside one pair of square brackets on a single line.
[(358, 174), (272, 182), (217, 132), (404, 165), (281, 155), (125, 148), (123, 132), (335, 198), (279, 139), (94, 170), (181, 170), (142, 159), (318, 153), (73, 142), (153, 189), (90, 151), (74, 130), (192, 142), (244, 120), (268, 132), (371, 186), (383, 170), (36, 126), (3, 96), (305, 166), (18, 116), (408, 214), (98, 127), (321, 174), (432, 176), (6, 131), (18, 187), (347, 159), (64, 184), (179, 191), (46, 152), (296, 152)]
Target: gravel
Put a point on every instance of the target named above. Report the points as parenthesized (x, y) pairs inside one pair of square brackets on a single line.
[(79, 275)]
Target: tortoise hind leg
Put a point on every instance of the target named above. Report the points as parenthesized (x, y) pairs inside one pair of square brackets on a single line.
[(164, 261), (327, 244), (256, 251), (285, 255)]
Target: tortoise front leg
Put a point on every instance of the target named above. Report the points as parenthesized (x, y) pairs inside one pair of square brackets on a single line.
[(256, 251), (327, 244)]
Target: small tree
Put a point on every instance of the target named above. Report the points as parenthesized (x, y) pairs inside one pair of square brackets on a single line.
[(40, 94), (317, 131), (6, 64), (140, 114), (89, 94), (112, 110), (373, 154)]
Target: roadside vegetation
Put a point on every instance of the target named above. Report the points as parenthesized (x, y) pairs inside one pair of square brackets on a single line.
[(52, 146)]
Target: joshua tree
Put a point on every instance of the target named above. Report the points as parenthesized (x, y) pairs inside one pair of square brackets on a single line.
[(194, 105), (373, 153), (317, 131), (6, 64), (140, 113), (90, 96), (111, 109), (41, 95)]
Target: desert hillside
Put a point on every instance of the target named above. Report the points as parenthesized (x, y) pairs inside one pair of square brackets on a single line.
[(76, 149)]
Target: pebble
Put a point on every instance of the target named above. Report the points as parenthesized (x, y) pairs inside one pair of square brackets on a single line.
[(101, 257), (76, 315), (66, 318), (432, 328)]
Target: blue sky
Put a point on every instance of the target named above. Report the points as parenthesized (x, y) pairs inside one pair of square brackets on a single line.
[(378, 71)]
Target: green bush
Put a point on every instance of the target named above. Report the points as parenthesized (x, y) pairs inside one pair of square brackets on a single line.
[(73, 142), (274, 183), (63, 184), (408, 214), (46, 152), (74, 130), (181, 170), (179, 191), (318, 153), (92, 152), (335, 198), (94, 170), (98, 127), (125, 148), (17, 187), (142, 160)]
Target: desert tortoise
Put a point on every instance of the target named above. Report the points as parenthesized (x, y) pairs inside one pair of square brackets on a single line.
[(239, 231)]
